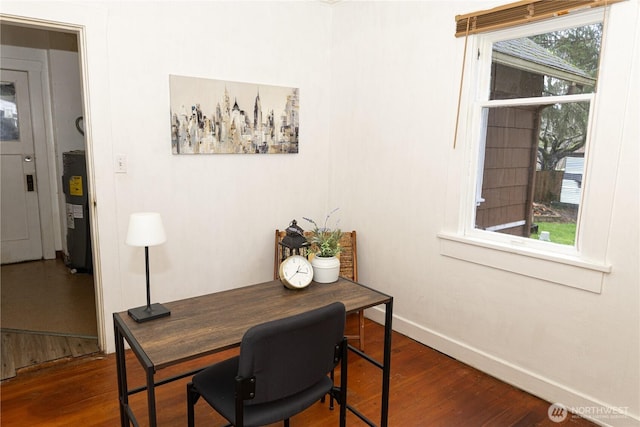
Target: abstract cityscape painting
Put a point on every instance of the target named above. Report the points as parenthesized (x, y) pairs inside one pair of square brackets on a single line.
[(224, 117)]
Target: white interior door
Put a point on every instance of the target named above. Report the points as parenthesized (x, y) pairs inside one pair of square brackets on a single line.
[(20, 217)]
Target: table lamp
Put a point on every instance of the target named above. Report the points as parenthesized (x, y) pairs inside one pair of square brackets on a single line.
[(145, 229)]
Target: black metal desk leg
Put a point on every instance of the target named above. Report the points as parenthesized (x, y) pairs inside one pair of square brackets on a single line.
[(386, 370), (151, 397), (123, 397)]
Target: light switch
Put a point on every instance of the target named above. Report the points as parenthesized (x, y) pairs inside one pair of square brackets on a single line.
[(121, 163)]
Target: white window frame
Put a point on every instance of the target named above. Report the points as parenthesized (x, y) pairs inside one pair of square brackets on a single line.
[(581, 266)]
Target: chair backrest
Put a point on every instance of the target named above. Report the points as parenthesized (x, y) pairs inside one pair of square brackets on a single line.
[(289, 355), (348, 255)]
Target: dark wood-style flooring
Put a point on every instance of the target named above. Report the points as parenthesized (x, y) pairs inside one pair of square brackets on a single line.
[(427, 389), (22, 349)]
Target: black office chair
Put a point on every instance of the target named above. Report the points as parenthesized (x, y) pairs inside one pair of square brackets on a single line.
[(282, 369)]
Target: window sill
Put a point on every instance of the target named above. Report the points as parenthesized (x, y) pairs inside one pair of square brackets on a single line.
[(565, 270)]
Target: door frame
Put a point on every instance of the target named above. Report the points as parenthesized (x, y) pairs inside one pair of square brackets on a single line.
[(80, 33)]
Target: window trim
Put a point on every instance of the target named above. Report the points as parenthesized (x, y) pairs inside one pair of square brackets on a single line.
[(567, 270), (581, 266)]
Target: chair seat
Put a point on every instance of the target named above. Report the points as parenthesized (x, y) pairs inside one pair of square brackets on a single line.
[(216, 384)]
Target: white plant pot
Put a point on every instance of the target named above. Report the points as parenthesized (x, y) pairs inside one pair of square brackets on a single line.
[(325, 269)]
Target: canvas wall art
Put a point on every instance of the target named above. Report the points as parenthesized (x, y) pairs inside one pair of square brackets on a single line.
[(223, 117)]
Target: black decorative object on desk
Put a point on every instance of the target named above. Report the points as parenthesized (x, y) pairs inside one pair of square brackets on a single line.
[(294, 241)]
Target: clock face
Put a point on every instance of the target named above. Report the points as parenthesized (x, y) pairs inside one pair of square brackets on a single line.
[(296, 272)]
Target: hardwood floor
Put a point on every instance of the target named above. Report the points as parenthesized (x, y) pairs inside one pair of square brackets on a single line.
[(427, 389), (22, 349)]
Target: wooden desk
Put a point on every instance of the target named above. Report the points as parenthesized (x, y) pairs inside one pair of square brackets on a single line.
[(211, 323)]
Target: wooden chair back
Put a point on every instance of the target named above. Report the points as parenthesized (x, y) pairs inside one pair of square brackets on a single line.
[(348, 256), (348, 269)]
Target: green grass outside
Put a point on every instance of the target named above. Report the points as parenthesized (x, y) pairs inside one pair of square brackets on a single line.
[(563, 233)]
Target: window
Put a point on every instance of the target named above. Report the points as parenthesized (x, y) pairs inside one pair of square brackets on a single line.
[(528, 114), (534, 109), (535, 130)]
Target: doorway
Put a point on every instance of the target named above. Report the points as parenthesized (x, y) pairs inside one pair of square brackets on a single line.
[(50, 58)]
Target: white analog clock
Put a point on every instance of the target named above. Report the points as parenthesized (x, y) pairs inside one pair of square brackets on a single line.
[(296, 272)]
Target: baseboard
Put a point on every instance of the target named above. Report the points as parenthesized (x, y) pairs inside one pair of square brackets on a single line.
[(598, 412)]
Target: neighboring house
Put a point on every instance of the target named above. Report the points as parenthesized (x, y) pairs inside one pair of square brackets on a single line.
[(572, 179)]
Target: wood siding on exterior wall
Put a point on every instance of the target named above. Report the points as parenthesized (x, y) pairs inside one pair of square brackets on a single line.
[(506, 185), (510, 153)]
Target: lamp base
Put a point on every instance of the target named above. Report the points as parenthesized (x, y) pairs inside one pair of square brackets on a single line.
[(144, 314)]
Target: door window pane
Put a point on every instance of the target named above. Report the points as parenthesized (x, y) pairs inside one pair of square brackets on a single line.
[(9, 130)]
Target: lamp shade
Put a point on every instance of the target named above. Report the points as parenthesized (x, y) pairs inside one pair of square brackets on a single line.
[(145, 229)]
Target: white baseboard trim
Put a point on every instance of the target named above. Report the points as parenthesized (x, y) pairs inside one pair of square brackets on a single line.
[(587, 407)]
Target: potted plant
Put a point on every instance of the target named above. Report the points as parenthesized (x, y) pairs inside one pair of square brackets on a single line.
[(324, 244)]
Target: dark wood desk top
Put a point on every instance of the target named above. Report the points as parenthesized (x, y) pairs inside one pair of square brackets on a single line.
[(210, 323)]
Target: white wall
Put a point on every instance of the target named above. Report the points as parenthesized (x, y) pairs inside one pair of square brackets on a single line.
[(66, 100), (378, 84), (395, 73), (220, 210)]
